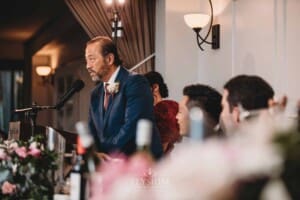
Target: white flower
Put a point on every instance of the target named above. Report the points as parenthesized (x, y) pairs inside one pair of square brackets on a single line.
[(34, 145), (275, 189), (255, 159), (13, 145), (208, 172), (113, 88), (14, 168), (132, 191)]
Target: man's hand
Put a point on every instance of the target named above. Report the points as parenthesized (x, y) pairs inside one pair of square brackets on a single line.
[(103, 157), (107, 158)]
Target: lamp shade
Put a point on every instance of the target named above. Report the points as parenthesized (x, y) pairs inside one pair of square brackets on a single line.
[(43, 70), (196, 20), (121, 2), (109, 2)]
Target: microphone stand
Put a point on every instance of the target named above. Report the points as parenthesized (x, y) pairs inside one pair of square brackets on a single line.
[(34, 109), (32, 112)]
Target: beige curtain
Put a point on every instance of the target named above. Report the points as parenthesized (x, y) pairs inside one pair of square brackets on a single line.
[(138, 18)]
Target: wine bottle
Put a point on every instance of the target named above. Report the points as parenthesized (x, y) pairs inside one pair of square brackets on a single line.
[(143, 136), (78, 180), (88, 149), (143, 153), (86, 163)]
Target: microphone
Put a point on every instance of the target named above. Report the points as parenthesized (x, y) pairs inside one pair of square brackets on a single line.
[(76, 87)]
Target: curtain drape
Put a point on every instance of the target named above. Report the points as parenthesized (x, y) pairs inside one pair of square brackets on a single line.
[(138, 19)]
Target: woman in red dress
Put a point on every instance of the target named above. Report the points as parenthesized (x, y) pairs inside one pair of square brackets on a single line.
[(165, 111)]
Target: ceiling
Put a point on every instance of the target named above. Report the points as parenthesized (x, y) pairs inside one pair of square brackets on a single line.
[(34, 21), (21, 19)]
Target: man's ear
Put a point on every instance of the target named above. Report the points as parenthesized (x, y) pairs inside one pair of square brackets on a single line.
[(110, 59), (236, 114), (271, 103), (281, 104)]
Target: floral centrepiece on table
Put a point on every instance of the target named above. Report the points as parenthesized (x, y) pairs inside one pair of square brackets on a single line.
[(26, 169)]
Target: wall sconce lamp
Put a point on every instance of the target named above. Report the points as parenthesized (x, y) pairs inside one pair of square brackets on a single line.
[(197, 21), (45, 73)]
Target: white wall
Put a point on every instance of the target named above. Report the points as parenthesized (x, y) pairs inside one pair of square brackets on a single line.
[(176, 55), (257, 37), (288, 76), (215, 67)]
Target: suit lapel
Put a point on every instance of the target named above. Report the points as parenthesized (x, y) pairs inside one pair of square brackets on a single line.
[(98, 106), (120, 77), (101, 109)]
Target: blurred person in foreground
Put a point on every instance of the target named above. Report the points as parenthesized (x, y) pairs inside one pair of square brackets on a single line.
[(165, 111)]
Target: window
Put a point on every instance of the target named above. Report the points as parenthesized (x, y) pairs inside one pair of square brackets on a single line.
[(11, 95)]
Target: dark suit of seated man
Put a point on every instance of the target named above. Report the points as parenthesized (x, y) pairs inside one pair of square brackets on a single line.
[(114, 114)]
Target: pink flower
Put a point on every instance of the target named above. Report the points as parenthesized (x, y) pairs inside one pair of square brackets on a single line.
[(35, 152), (111, 171), (3, 154), (107, 175), (8, 188), (140, 166), (135, 173), (21, 151)]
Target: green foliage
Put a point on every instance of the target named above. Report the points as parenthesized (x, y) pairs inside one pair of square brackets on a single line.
[(289, 143)]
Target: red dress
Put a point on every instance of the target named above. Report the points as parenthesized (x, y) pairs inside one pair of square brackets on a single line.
[(165, 115)]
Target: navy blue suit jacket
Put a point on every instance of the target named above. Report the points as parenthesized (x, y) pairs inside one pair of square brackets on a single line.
[(115, 130)]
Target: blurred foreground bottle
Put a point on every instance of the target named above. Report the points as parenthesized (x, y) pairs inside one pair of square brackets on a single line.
[(143, 141), (78, 180), (196, 124), (86, 147), (142, 161), (143, 136), (85, 164)]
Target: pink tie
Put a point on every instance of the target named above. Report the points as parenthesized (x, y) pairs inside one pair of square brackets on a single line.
[(106, 96)]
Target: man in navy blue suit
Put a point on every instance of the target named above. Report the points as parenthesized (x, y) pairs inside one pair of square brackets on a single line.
[(118, 101)]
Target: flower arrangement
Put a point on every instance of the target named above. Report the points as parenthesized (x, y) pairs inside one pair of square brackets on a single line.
[(113, 88), (26, 169), (135, 173)]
